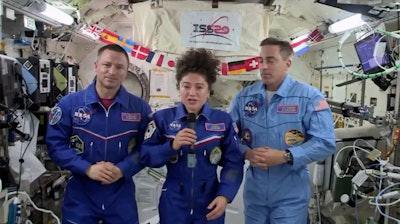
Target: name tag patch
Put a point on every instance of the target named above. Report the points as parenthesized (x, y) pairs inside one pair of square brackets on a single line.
[(132, 117), (215, 127), (287, 109)]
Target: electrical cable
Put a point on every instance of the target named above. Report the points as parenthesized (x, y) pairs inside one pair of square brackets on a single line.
[(22, 153), (34, 205), (379, 209), (384, 176), (318, 204), (356, 208), (355, 154), (361, 75)]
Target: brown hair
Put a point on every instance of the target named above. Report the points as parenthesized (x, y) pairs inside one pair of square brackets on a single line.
[(113, 47), (198, 60), (286, 51)]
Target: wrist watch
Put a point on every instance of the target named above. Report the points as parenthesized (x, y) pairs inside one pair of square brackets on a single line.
[(288, 157)]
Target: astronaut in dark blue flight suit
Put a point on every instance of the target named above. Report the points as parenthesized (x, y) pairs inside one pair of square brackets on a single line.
[(192, 193), (96, 133)]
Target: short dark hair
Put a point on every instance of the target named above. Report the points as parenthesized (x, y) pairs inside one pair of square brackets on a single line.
[(198, 60), (286, 50), (113, 47)]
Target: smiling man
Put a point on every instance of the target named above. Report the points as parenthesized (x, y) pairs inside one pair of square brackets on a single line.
[(96, 133)]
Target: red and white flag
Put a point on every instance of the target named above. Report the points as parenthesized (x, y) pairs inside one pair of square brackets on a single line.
[(140, 52), (315, 36), (168, 63), (300, 44)]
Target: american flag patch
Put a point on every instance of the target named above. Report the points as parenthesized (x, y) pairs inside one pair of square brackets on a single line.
[(215, 127), (321, 105), (130, 117)]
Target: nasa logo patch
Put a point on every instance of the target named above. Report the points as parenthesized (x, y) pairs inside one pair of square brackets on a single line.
[(82, 115), (175, 126), (252, 107)]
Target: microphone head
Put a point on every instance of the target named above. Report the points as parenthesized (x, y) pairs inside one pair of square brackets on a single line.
[(191, 117)]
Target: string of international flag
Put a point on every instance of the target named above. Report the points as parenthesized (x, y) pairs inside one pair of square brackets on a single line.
[(300, 44), (157, 58)]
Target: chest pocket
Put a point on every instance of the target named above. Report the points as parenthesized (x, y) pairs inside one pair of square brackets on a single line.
[(208, 160), (286, 120), (285, 115), (210, 154)]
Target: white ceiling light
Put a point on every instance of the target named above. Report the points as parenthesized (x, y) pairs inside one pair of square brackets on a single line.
[(58, 15), (346, 24)]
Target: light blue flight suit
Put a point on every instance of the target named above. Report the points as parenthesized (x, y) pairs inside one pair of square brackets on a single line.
[(297, 119)]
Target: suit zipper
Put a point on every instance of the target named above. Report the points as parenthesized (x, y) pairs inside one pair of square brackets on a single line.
[(106, 128)]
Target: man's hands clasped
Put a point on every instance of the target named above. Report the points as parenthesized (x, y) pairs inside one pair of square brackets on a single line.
[(105, 172)]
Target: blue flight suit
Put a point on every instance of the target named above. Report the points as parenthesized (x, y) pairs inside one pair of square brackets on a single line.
[(188, 191), (81, 132), (297, 119)]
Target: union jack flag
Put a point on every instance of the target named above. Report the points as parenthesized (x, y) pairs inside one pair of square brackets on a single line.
[(91, 31)]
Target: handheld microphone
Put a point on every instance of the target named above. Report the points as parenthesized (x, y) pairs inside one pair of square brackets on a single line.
[(191, 119)]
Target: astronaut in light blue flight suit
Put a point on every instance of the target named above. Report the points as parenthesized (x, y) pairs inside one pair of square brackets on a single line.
[(192, 150), (96, 134), (284, 125)]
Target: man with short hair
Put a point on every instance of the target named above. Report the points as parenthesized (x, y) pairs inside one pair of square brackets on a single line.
[(284, 126), (96, 133)]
